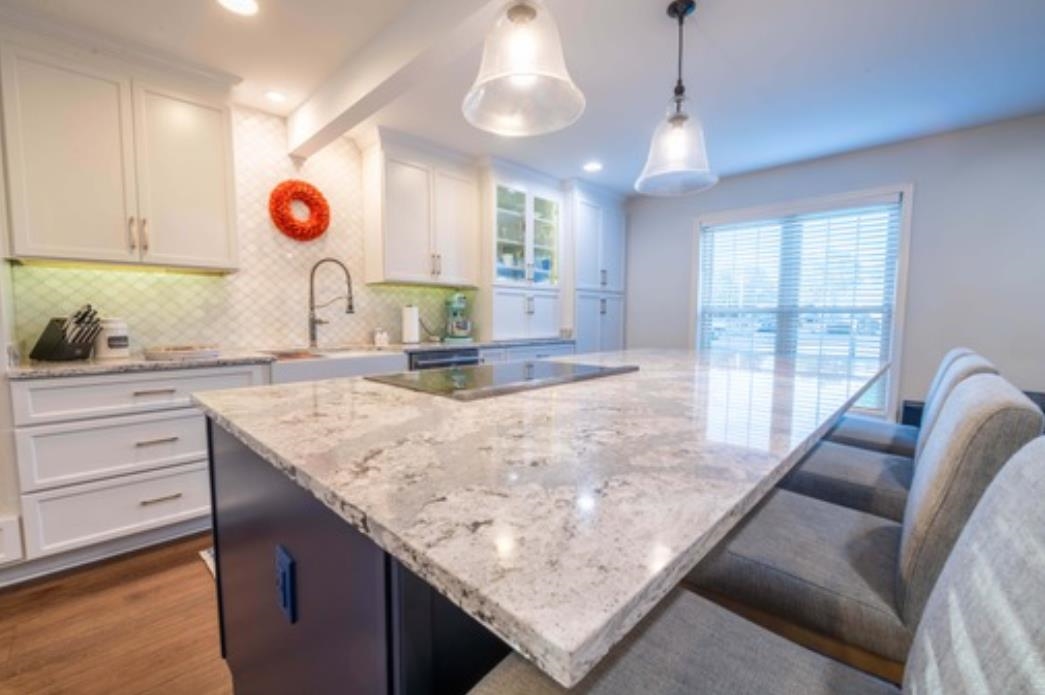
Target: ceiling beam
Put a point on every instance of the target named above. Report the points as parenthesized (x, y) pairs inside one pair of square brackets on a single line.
[(416, 46)]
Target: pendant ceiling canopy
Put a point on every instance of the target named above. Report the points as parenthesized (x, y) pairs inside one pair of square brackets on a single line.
[(677, 163), (523, 87)]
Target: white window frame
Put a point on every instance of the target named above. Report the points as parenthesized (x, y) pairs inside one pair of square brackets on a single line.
[(823, 204)]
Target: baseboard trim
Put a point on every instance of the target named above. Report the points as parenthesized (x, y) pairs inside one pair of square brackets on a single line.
[(52, 564)]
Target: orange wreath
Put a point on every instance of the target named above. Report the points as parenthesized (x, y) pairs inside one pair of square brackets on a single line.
[(282, 212)]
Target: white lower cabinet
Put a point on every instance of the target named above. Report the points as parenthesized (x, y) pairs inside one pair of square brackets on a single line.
[(10, 540), (493, 355), (539, 352), (40, 401), (525, 314), (54, 455), (78, 515), (107, 456), (599, 322)]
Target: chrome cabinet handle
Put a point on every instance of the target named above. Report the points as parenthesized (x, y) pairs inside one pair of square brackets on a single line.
[(431, 262), (531, 306), (154, 392), (154, 442), (157, 500), (439, 263), (144, 226), (602, 306), (604, 278), (132, 241)]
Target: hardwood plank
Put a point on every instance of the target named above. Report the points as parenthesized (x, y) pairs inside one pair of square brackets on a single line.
[(141, 623)]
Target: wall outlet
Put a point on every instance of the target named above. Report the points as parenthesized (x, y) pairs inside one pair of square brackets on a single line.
[(286, 584)]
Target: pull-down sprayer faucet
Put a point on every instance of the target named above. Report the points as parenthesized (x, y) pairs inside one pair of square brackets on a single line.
[(313, 321)]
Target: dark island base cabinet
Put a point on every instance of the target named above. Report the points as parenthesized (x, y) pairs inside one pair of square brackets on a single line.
[(309, 605)]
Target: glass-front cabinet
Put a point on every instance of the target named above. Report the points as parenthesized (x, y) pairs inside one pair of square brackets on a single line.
[(527, 237)]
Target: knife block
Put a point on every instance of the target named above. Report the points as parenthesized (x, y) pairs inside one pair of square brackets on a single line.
[(52, 346)]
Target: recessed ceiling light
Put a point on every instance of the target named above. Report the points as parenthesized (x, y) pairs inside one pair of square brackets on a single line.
[(245, 7), (593, 166), (273, 95)]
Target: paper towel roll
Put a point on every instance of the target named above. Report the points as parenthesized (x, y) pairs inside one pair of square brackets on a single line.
[(411, 325)]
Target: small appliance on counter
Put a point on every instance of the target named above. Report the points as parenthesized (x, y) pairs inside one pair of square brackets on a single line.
[(113, 341), (411, 325), (68, 339), (458, 325)]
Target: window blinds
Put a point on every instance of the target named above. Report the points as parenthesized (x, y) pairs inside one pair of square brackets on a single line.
[(818, 286)]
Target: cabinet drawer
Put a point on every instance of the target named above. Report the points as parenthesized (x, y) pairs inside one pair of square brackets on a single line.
[(79, 515), (75, 452), (493, 356), (80, 398), (538, 352)]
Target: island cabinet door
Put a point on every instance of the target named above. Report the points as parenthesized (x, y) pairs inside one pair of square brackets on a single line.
[(333, 637), (308, 604)]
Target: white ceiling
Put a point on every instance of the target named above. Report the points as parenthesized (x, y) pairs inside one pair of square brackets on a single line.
[(775, 82), (289, 46)]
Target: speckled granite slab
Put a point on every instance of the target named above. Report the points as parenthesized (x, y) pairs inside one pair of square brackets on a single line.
[(53, 370), (558, 517)]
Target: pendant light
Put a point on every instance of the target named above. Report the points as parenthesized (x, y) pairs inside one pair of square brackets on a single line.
[(523, 87), (677, 163)]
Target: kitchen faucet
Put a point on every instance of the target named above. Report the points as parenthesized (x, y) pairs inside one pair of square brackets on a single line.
[(313, 321)]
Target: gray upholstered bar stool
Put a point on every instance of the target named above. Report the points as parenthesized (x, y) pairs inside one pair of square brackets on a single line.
[(983, 628), (858, 578), (873, 481), (890, 437)]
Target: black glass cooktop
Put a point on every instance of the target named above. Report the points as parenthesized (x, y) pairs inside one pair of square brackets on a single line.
[(486, 380)]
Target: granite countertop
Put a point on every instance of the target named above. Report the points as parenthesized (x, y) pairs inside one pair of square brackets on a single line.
[(52, 370), (557, 517)]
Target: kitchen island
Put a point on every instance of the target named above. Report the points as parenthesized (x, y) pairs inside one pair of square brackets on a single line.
[(437, 531)]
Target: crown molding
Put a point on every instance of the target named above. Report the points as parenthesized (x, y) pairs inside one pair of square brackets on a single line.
[(35, 23)]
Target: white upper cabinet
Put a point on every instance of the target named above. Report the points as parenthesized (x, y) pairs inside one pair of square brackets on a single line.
[(526, 235), (70, 159), (408, 213), (611, 249), (104, 169), (421, 211), (598, 232), (185, 197), (587, 229), (456, 228)]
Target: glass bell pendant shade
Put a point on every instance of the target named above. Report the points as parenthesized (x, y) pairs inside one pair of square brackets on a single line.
[(678, 159), (523, 87)]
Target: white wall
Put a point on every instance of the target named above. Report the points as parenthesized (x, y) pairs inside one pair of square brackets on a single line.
[(977, 251)]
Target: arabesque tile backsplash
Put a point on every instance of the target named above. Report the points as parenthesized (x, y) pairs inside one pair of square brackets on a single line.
[(264, 304)]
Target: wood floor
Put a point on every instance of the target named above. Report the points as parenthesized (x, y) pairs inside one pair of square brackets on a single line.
[(147, 624), (144, 623)]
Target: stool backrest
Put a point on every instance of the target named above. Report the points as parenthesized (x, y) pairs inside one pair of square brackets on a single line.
[(983, 629), (984, 421)]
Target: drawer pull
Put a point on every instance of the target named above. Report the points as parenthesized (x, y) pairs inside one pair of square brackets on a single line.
[(155, 392), (157, 500), (154, 442)]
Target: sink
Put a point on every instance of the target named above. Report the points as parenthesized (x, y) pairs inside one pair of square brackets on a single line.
[(306, 364)]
